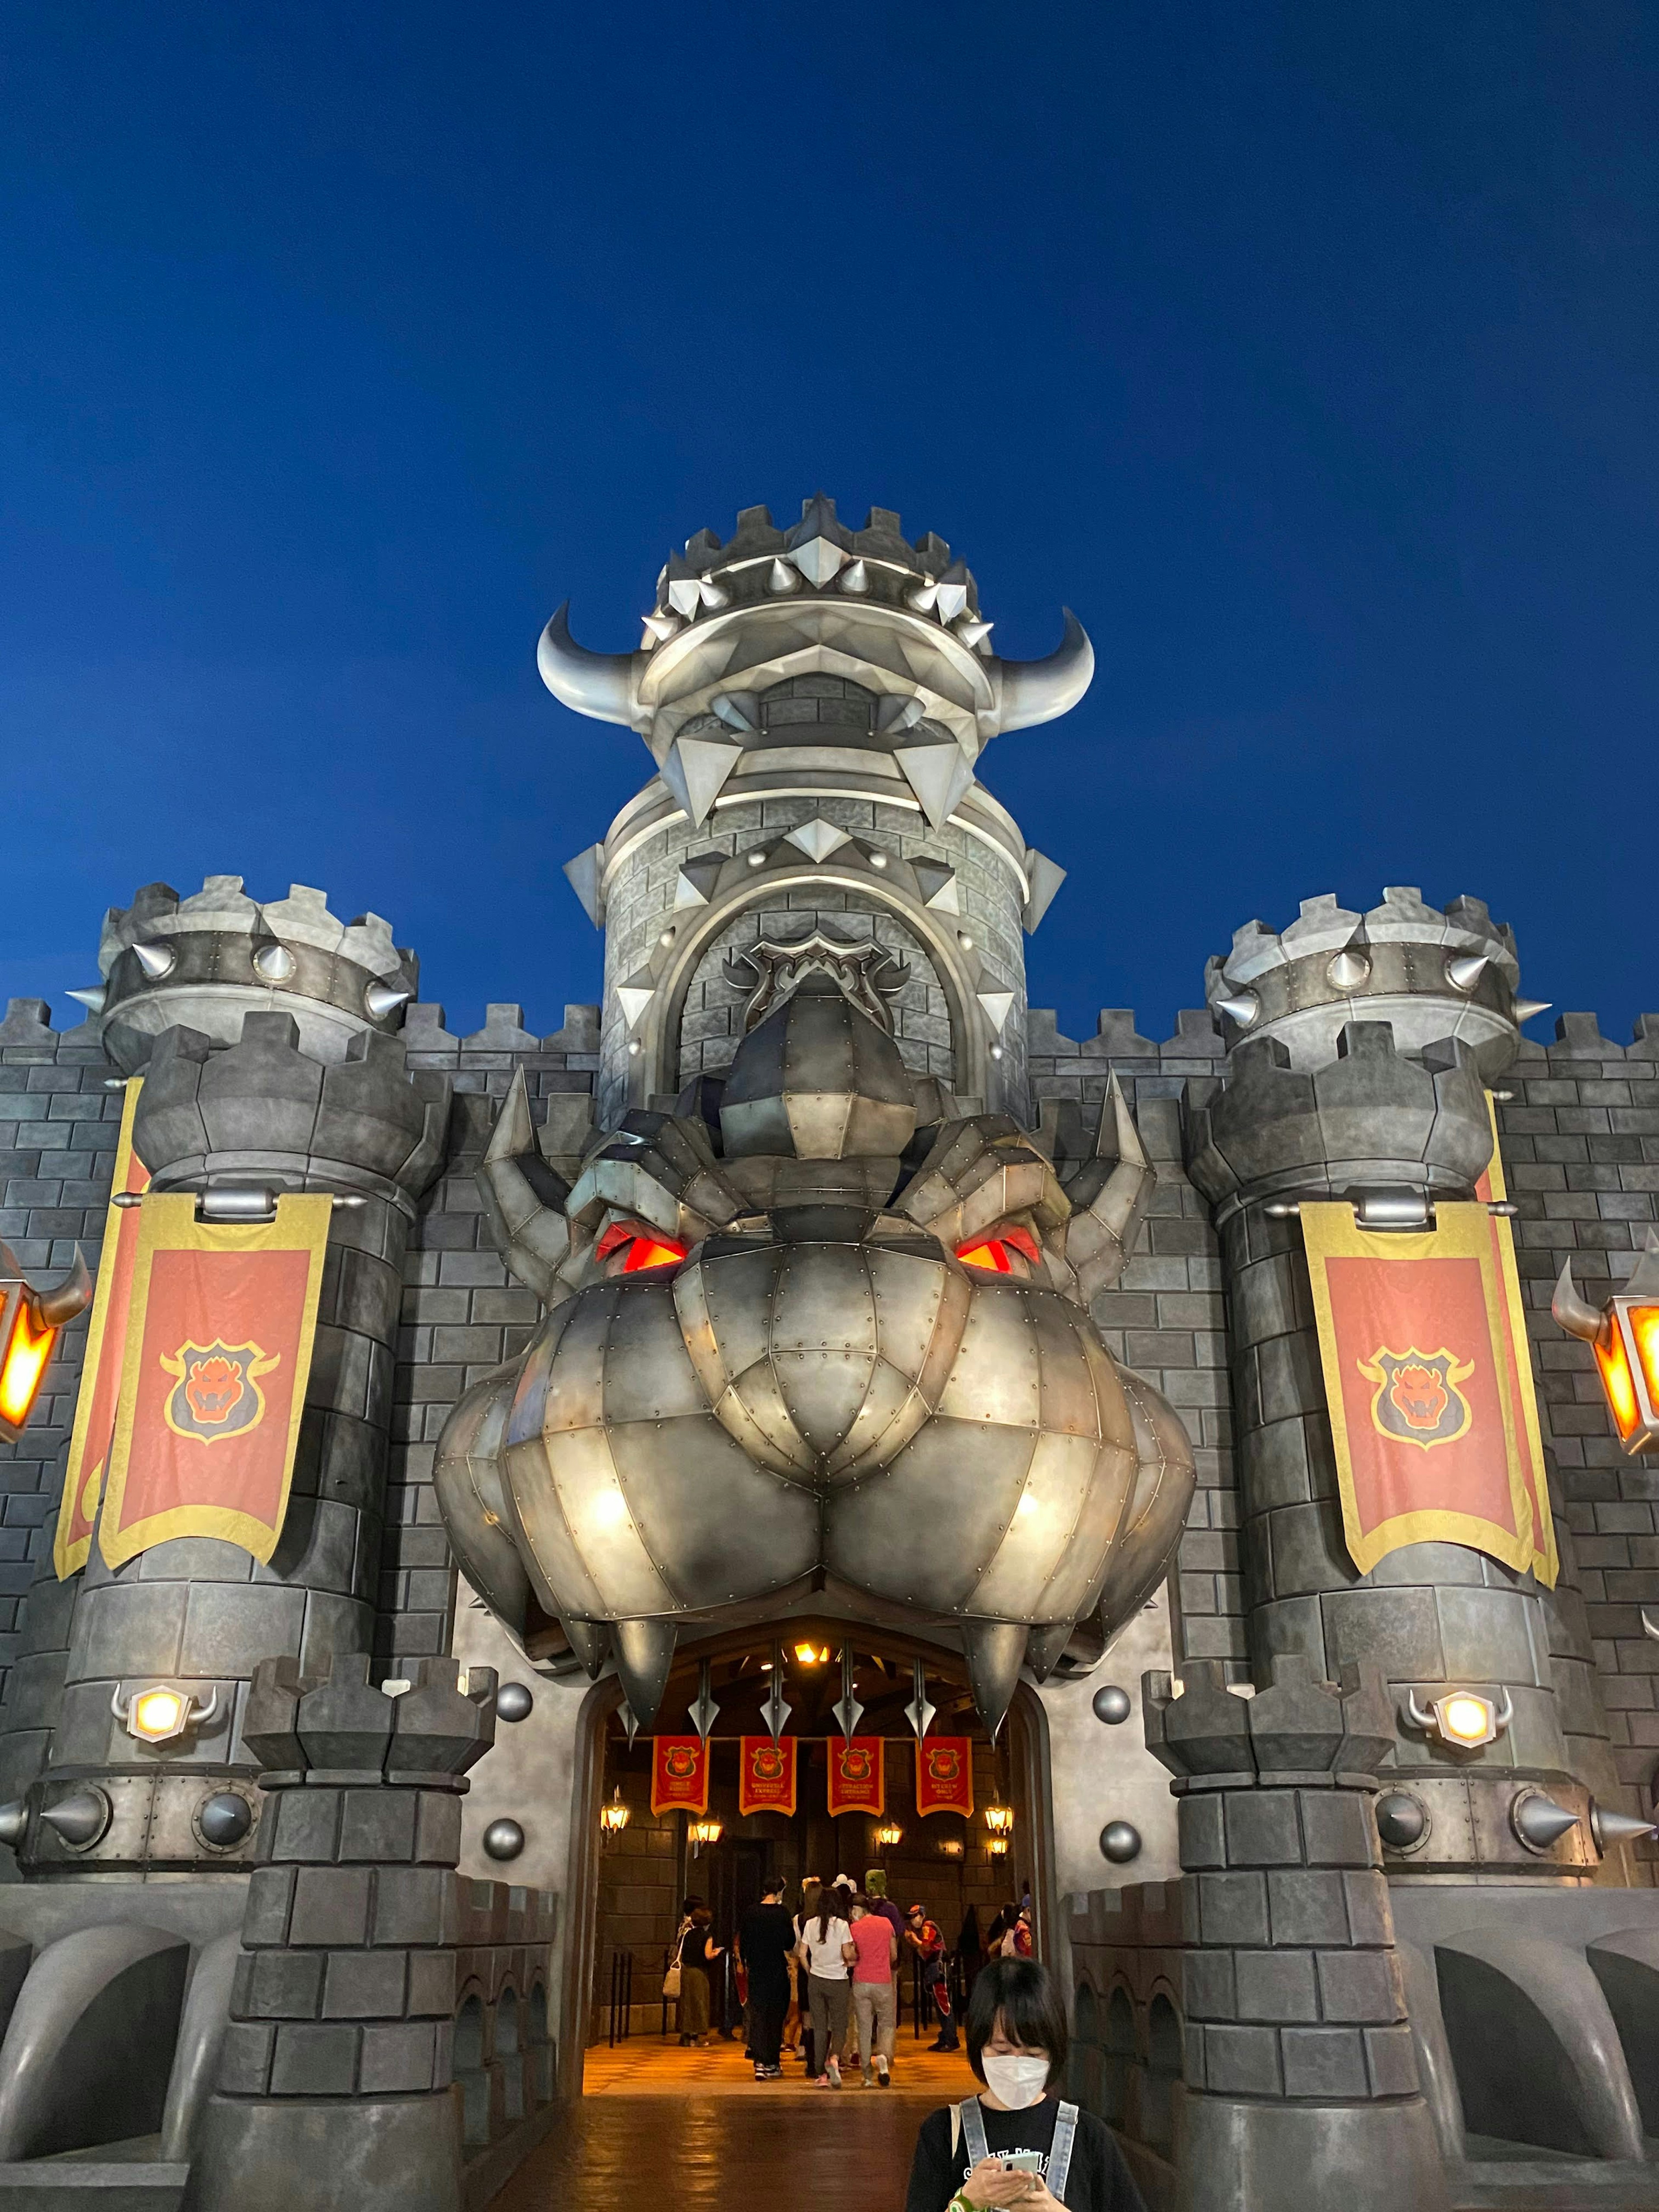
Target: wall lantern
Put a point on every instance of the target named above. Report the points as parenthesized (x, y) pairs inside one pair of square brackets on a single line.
[(951, 1846), (999, 1819), (889, 1836), (159, 1714), (1625, 1337), (812, 1655), (30, 1320), (1462, 1720), (701, 1833), (996, 1847), (614, 1817)]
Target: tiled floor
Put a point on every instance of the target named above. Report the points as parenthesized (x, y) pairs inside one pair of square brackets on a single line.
[(646, 2066), (663, 2129)]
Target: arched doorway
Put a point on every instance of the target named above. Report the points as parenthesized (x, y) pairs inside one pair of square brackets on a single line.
[(625, 1887)]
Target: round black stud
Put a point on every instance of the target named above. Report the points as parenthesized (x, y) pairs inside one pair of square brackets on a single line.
[(1402, 1820), (223, 1819)]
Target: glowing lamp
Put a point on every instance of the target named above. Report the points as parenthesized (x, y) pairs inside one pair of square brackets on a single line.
[(704, 1832), (1624, 1334), (951, 1847), (996, 1847), (159, 1714), (1462, 1720), (811, 1654), (614, 1817), (30, 1320), (889, 1835), (999, 1819)]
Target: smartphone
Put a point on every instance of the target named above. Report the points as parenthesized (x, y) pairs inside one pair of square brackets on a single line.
[(1024, 2162)]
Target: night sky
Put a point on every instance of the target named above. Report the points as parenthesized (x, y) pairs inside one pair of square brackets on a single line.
[(1307, 351)]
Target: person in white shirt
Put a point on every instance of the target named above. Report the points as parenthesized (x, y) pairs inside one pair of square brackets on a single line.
[(824, 1938)]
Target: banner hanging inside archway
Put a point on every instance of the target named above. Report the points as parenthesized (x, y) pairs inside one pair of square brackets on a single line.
[(766, 1775), (679, 1775), (944, 1775), (856, 1782)]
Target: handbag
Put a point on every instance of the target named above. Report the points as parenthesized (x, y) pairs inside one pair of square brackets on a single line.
[(671, 1981)]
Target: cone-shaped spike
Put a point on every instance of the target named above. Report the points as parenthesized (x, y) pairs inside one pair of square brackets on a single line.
[(1240, 1007), (14, 1819), (1570, 1311), (1109, 1206), (156, 960), (1348, 969), (383, 998), (1524, 1009), (855, 578), (704, 1712), (1464, 972), (532, 1237), (995, 1652), (1539, 1821), (587, 1639), (847, 1709), (1610, 1829), (644, 1652), (80, 1818), (783, 578), (1042, 1652), (630, 1724), (775, 1712), (92, 1001), (918, 1713)]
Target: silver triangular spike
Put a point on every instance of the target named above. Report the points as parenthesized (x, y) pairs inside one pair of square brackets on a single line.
[(918, 1713), (847, 1710), (92, 1001), (705, 1712), (630, 1726), (1644, 1275), (773, 1712)]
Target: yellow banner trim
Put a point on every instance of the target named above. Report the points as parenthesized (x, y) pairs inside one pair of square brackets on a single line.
[(1546, 1559), (1329, 1231), (169, 1224)]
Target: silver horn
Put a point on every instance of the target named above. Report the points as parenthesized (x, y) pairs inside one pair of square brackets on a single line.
[(66, 1299), (1570, 1311), (1416, 1715), (1649, 1626), (1030, 691), (532, 1237), (603, 684), (1110, 1202)]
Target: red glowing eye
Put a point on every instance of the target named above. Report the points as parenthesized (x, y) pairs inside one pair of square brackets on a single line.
[(996, 1254), (645, 1248)]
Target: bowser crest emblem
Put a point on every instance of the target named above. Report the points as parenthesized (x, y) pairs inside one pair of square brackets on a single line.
[(216, 1391), (1418, 1400)]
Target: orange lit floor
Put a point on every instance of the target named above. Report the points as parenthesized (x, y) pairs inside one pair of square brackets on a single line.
[(646, 2066)]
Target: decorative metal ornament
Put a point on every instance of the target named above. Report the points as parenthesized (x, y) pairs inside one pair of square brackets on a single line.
[(514, 1702), (1403, 1820), (775, 1712), (160, 1715), (503, 1839), (705, 1712), (1112, 1705), (223, 1819), (1539, 1821), (920, 1714), (1624, 1333), (847, 1709), (1120, 1842), (273, 964), (1463, 1720), (80, 1818)]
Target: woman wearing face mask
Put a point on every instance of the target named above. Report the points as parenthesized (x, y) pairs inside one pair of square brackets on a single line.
[(1016, 2045)]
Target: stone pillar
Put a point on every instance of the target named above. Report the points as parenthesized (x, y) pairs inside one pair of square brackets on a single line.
[(1301, 2082), (197, 1613), (1431, 1616), (337, 2060)]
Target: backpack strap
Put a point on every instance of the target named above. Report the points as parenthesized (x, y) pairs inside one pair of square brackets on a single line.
[(973, 2128), (1060, 2153)]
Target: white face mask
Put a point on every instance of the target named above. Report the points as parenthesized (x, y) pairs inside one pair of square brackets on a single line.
[(1016, 2082)]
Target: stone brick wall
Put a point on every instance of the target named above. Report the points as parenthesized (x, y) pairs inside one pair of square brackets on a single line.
[(463, 1314), (1581, 1144), (1166, 1320), (59, 1130)]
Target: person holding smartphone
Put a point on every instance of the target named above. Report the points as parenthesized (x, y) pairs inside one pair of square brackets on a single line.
[(1015, 2142)]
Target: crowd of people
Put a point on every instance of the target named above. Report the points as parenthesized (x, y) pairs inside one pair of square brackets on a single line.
[(821, 1985)]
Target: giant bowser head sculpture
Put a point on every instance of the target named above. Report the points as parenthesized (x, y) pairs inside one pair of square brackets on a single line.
[(821, 1329)]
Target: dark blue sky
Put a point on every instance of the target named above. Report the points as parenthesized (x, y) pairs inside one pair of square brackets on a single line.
[(1308, 351)]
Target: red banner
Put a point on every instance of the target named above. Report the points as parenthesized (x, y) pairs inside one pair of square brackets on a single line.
[(213, 1383), (679, 1774), (766, 1775), (856, 1779), (100, 1371), (1523, 1403), (1416, 1342), (944, 1775)]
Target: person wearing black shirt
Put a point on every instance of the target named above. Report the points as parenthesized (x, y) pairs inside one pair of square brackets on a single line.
[(764, 1942), (1018, 2042)]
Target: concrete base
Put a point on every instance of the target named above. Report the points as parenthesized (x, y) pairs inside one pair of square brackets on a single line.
[(489, 2171), (1237, 2157), (92, 2185), (271, 2154)]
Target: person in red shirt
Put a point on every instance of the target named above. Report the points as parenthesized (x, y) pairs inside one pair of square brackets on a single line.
[(872, 1953), (922, 1936)]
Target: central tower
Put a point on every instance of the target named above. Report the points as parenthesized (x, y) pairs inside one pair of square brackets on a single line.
[(817, 701)]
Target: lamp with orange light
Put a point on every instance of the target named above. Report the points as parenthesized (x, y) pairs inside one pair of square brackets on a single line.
[(1624, 1334), (999, 1819), (614, 1817), (811, 1654), (702, 1832), (1463, 1720), (889, 1836), (160, 1715), (30, 1320)]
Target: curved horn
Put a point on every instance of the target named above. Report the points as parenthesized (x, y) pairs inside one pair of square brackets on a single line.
[(532, 1236), (1415, 1714), (1570, 1311), (1109, 1204), (1505, 1712), (1031, 691), (602, 684), (66, 1299)]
